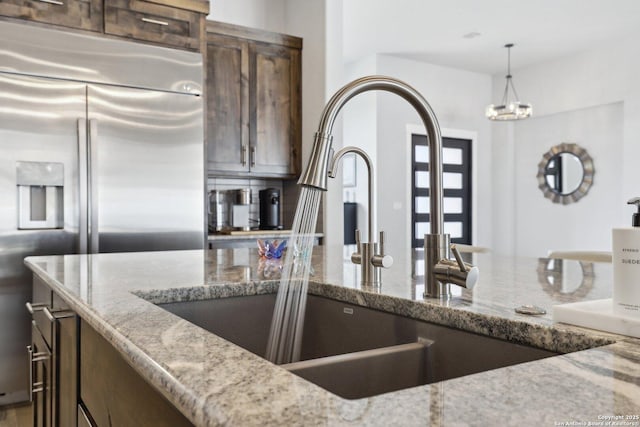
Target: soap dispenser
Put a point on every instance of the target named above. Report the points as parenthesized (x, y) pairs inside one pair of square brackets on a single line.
[(626, 266)]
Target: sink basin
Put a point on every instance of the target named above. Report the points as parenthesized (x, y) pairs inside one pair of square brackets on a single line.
[(355, 351)]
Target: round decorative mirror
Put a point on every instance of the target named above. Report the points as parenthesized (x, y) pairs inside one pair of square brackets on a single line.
[(565, 173)]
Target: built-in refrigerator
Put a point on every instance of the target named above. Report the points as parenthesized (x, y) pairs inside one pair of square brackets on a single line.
[(101, 150)]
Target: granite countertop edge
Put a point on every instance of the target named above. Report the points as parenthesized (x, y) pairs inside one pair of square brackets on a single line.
[(204, 409)]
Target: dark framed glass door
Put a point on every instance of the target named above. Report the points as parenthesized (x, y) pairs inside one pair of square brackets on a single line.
[(456, 154)]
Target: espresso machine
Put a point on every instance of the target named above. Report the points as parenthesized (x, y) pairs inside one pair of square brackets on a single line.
[(270, 209)]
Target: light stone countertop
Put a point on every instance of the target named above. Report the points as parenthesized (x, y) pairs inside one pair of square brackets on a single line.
[(214, 382)]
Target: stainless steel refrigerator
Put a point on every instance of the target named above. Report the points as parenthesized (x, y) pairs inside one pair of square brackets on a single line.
[(101, 150)]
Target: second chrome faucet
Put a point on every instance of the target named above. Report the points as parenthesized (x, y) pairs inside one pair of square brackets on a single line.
[(370, 255)]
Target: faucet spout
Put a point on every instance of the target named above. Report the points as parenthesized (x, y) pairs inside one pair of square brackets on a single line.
[(440, 272), (315, 175), (372, 208), (370, 255)]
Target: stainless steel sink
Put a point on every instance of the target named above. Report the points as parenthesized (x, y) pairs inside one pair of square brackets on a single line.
[(355, 351)]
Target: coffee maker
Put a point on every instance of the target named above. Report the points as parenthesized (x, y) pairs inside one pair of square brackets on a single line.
[(270, 209)]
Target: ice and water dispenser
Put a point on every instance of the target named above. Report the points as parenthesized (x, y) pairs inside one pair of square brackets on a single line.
[(40, 195)]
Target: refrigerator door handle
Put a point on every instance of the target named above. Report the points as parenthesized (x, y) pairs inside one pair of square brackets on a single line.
[(83, 226), (94, 244)]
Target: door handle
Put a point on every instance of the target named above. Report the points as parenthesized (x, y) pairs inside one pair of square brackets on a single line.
[(92, 166), (254, 151), (83, 225)]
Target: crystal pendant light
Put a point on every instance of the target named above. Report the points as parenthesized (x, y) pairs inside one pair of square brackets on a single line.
[(509, 108)]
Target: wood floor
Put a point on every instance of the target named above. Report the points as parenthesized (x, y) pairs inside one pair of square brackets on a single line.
[(16, 416)]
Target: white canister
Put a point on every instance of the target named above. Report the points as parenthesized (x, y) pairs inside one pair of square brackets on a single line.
[(626, 267)]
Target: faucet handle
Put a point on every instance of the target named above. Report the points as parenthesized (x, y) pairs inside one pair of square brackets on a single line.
[(381, 243), (456, 272), (456, 254), (356, 257), (382, 260)]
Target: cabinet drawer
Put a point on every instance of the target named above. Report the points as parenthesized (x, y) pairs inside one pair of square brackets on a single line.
[(42, 294), (152, 22), (40, 377), (58, 304), (82, 14), (44, 324)]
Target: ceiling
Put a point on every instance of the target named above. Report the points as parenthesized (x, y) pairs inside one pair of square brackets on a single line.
[(470, 34)]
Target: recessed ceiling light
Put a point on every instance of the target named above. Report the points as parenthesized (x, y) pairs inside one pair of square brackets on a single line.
[(472, 35)]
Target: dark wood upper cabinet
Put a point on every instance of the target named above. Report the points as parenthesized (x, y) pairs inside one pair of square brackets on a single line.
[(253, 102), (81, 14), (227, 121), (172, 23)]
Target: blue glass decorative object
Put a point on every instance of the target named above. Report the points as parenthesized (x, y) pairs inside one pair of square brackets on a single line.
[(271, 249)]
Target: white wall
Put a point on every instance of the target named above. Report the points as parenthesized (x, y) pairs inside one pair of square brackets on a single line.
[(574, 99), (541, 225), (263, 14)]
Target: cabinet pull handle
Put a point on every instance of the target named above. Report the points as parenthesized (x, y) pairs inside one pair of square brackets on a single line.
[(48, 314), (254, 149), (30, 353), (35, 307), (56, 2), (40, 357), (153, 21), (243, 155), (37, 387), (33, 358)]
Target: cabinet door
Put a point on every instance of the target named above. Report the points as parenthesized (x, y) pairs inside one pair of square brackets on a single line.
[(114, 394), (65, 400), (227, 104), (82, 14), (41, 379), (275, 109)]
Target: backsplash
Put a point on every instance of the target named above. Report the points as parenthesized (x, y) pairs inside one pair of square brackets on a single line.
[(255, 185)]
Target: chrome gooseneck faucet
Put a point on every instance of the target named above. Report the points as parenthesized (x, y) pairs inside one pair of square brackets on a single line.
[(367, 255), (440, 271)]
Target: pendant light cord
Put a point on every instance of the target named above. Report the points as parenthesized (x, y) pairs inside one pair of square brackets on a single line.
[(509, 83)]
